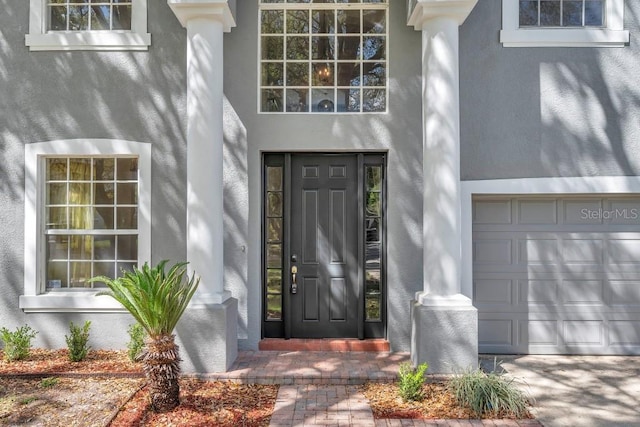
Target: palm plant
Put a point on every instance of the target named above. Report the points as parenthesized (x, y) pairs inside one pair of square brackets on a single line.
[(156, 300)]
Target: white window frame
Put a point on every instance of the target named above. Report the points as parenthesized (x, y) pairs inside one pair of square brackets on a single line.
[(35, 299), (40, 38), (612, 34)]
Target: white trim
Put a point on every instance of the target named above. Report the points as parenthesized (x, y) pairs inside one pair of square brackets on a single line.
[(530, 186), (612, 35), (33, 299), (219, 10), (422, 11), (39, 38)]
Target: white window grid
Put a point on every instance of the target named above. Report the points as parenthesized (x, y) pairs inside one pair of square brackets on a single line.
[(562, 24), (69, 232), (380, 5), (85, 7)]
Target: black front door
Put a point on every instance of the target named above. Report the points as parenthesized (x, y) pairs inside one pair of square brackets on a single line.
[(323, 246)]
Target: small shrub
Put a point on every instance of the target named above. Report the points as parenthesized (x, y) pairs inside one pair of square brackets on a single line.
[(27, 400), (411, 381), (49, 382), (488, 394), (77, 341), (17, 344), (135, 345)]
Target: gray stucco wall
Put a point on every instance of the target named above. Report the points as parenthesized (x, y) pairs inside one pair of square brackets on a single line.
[(547, 112), (398, 132), (45, 96)]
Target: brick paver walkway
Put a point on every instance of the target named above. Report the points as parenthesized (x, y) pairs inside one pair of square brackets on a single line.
[(319, 388)]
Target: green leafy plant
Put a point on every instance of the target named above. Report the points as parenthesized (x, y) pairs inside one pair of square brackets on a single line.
[(135, 346), (17, 345), (77, 341), (488, 394), (410, 381), (49, 382), (157, 299), (27, 400)]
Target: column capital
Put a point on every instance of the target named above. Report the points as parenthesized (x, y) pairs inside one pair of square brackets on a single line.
[(187, 10), (422, 11)]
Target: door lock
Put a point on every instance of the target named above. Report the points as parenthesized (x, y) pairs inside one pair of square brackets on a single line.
[(294, 283)]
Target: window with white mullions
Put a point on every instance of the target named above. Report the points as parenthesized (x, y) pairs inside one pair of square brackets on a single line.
[(562, 13), (91, 219), (95, 15), (323, 57)]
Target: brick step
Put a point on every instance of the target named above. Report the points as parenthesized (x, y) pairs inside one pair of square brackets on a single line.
[(324, 344)]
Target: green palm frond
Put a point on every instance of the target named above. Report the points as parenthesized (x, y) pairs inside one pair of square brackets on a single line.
[(155, 298)]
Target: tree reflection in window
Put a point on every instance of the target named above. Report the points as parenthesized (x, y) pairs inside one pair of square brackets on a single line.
[(318, 56)]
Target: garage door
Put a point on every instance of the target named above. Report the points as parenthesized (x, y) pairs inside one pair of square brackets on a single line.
[(557, 275)]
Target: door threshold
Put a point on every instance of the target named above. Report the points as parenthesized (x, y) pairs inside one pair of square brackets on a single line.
[(324, 344)]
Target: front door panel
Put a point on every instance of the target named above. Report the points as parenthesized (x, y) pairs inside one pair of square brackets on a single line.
[(324, 246)]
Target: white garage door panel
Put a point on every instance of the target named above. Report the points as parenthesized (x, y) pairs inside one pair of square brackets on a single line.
[(554, 275)]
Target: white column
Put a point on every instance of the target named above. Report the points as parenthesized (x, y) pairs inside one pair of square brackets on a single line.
[(439, 22), (444, 323), (206, 21)]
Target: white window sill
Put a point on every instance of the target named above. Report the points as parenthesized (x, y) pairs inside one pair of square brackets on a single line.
[(69, 302), (88, 40), (564, 37)]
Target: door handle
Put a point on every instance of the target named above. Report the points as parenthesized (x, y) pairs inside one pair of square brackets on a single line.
[(294, 283)]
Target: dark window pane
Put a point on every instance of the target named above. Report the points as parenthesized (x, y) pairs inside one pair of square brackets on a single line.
[(374, 100), (104, 194), (298, 21), (348, 47), (57, 275), (297, 100), (105, 247), (550, 13), (274, 281), (372, 255), (374, 21), (272, 21), (271, 100), (122, 17), (100, 18), (103, 218), (374, 178), (127, 193), (322, 101), (297, 47), (272, 74), (127, 169), (348, 74), (374, 74), (57, 247), (297, 75), (373, 230), (323, 22), (56, 218), (56, 169), (127, 218), (372, 309), (349, 21), (374, 48), (128, 248), (103, 169), (372, 282), (323, 47), (572, 13), (374, 204), (107, 269), (274, 307), (528, 13), (78, 18), (273, 47), (348, 100), (56, 194), (274, 204), (274, 256), (323, 74), (274, 178), (274, 230), (594, 13), (58, 18)]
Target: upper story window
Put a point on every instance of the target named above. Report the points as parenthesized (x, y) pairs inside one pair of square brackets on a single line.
[(562, 13), (317, 56), (84, 16), (88, 25), (568, 23)]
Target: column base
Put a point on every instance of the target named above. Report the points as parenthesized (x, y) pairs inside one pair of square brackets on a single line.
[(444, 336), (208, 337)]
